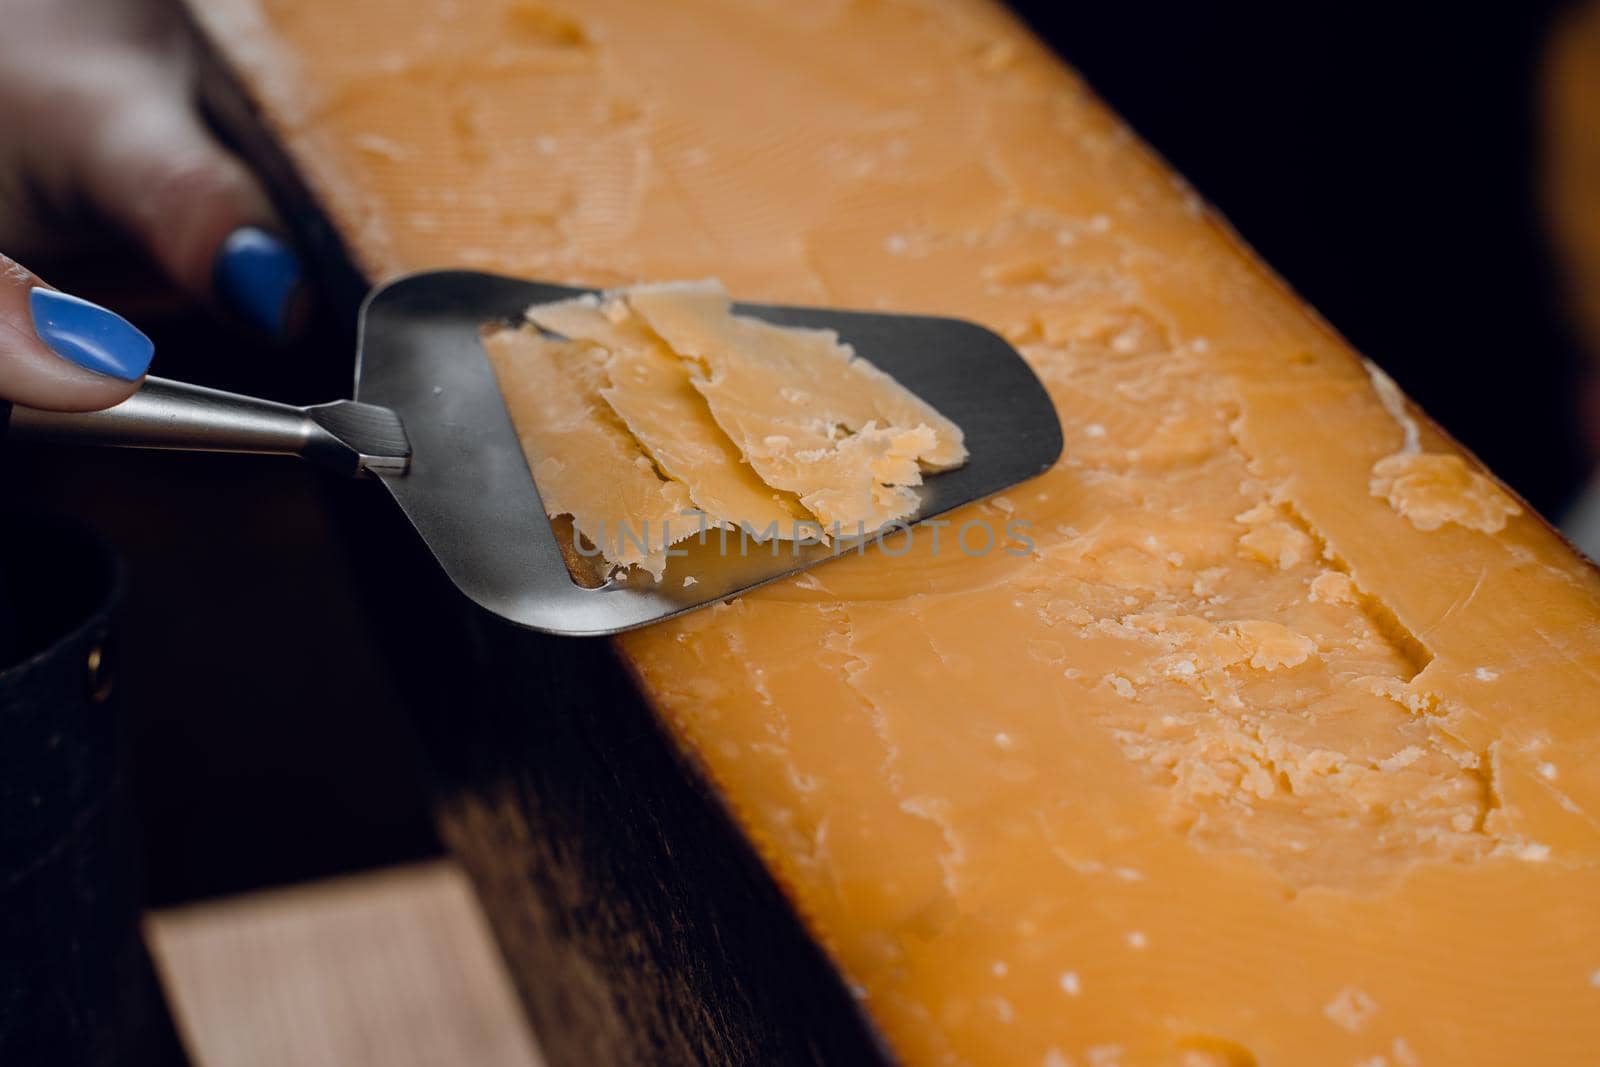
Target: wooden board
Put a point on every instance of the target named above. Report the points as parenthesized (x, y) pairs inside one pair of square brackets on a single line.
[(392, 969)]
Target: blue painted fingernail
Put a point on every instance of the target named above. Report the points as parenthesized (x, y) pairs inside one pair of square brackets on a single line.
[(90, 336), (257, 275)]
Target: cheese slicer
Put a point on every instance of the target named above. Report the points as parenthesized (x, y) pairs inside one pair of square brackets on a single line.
[(428, 421)]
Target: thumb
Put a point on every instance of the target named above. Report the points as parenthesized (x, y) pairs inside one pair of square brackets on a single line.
[(61, 353), (153, 167)]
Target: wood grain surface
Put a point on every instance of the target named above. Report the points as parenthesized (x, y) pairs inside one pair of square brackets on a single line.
[(393, 969)]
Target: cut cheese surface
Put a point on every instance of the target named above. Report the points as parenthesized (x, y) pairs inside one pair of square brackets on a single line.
[(585, 462), (1248, 760), (648, 387)]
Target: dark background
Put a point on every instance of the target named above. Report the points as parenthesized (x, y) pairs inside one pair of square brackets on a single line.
[(1383, 158), (1383, 161)]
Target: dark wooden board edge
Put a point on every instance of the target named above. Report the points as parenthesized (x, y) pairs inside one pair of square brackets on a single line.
[(638, 922)]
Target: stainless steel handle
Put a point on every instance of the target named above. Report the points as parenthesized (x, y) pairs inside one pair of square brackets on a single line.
[(345, 436)]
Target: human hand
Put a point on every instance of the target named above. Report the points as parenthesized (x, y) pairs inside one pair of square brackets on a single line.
[(101, 132)]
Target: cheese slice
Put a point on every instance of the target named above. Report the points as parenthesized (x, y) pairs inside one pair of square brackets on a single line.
[(585, 462), (1237, 764), (808, 416), (648, 387)]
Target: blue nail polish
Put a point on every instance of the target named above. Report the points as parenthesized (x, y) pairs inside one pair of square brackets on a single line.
[(89, 335), (257, 275)]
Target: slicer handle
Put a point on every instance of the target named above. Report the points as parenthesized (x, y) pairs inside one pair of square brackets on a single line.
[(345, 436)]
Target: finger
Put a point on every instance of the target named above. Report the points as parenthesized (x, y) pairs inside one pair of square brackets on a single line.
[(61, 353), (153, 167)]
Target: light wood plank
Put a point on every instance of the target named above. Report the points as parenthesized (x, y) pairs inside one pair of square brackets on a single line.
[(393, 969)]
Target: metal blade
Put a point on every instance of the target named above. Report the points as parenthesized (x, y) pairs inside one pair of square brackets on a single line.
[(469, 494)]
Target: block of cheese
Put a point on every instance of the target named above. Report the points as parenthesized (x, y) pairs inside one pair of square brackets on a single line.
[(1275, 749)]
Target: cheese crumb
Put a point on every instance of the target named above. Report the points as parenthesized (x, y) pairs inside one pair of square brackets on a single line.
[(1401, 760), (1332, 587), (1136, 939), (1351, 1009), (1277, 544), (1484, 674), (1430, 489), (1273, 646), (1121, 686), (1072, 986)]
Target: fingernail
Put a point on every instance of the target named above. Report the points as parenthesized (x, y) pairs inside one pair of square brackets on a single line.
[(90, 336), (257, 275)]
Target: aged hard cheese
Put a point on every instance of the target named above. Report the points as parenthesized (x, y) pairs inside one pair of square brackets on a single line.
[(803, 416), (1250, 760), (648, 387), (584, 460), (809, 417), (778, 431)]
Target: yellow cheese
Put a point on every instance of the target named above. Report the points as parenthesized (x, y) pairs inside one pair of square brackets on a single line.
[(749, 415), (807, 415), (1436, 488), (1240, 764), (648, 388), (584, 460)]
